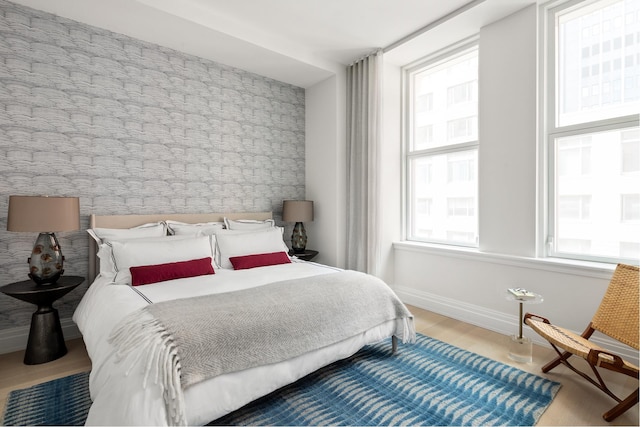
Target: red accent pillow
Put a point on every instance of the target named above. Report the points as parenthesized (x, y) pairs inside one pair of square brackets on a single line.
[(259, 260), (147, 274)]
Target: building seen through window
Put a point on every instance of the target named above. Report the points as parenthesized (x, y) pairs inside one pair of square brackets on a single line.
[(442, 159), (594, 137)]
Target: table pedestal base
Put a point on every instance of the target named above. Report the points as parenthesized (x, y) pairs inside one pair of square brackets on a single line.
[(46, 342), (520, 349)]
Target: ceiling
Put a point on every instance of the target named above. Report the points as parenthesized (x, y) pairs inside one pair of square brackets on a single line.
[(301, 42)]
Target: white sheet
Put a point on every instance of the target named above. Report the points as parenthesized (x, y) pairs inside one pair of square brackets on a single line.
[(116, 391)]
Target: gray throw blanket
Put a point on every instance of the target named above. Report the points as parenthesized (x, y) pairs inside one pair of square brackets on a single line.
[(189, 340)]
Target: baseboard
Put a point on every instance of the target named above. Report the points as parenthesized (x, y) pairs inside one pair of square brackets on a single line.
[(15, 339), (502, 323)]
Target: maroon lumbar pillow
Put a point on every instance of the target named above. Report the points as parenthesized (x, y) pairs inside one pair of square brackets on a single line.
[(259, 260), (147, 274)]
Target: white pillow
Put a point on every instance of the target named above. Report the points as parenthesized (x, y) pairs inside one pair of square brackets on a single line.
[(238, 243), (107, 269), (105, 254), (204, 228), (103, 235), (139, 252), (248, 224), (153, 229)]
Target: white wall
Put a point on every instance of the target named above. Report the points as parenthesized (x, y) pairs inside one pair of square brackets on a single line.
[(325, 168), (507, 131), (470, 285)]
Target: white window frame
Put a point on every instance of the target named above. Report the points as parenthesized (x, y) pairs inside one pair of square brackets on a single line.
[(459, 48), (551, 131)]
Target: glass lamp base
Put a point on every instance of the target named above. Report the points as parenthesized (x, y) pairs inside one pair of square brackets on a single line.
[(299, 238), (46, 261), (520, 349)]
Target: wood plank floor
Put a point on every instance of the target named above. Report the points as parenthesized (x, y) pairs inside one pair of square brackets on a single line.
[(577, 403)]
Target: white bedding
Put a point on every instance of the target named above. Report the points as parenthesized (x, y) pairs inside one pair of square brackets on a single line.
[(116, 387)]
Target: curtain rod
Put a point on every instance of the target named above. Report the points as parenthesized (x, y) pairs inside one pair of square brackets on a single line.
[(432, 25)]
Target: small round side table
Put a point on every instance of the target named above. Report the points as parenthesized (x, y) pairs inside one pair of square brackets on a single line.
[(520, 347), (307, 255), (46, 342)]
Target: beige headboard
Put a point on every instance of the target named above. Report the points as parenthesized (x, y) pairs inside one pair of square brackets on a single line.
[(128, 221)]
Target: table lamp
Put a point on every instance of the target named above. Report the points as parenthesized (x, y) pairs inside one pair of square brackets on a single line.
[(298, 211), (45, 215)]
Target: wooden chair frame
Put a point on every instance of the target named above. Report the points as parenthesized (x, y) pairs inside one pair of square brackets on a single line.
[(624, 284)]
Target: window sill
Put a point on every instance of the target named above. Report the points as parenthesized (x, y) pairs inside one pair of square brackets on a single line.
[(560, 265)]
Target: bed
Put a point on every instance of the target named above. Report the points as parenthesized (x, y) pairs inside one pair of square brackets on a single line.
[(186, 328)]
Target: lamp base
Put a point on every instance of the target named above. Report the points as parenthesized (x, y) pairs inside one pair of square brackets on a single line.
[(48, 281), (46, 261), (299, 238)]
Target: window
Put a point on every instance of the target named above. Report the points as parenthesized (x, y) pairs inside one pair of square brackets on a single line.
[(631, 207), (424, 102), (593, 132), (461, 93), (441, 159), (424, 135), (461, 129), (461, 206), (631, 151), (574, 208)]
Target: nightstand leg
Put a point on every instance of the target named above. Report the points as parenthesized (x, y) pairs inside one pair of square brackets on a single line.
[(46, 342)]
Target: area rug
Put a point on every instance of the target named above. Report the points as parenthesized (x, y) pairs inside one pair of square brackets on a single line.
[(61, 402), (428, 383)]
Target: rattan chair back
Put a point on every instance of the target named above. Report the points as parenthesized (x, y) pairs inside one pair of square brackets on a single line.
[(618, 313)]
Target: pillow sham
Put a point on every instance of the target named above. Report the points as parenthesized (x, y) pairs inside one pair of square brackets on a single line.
[(232, 243), (248, 224), (105, 254), (152, 229), (147, 274), (259, 260), (137, 252), (204, 228)]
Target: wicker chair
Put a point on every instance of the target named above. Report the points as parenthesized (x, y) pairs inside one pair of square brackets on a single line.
[(617, 317)]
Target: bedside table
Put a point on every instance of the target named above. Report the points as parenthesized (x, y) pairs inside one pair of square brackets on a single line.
[(520, 347), (46, 342), (307, 255)]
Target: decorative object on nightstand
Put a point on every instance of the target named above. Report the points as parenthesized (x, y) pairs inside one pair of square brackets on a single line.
[(45, 215), (46, 342), (298, 211), (307, 255), (521, 347)]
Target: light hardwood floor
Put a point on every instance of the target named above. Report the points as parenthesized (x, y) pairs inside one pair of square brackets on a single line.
[(577, 403)]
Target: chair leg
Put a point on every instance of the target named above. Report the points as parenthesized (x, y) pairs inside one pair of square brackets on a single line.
[(561, 359), (557, 361), (621, 407)]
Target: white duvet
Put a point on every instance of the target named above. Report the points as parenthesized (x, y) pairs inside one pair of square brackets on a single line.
[(116, 386)]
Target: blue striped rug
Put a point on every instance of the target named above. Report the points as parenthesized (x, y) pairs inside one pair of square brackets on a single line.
[(61, 402), (429, 383)]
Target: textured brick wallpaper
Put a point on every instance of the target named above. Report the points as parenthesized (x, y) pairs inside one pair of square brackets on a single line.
[(132, 127)]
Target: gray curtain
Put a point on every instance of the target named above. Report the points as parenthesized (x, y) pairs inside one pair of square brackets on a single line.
[(364, 91)]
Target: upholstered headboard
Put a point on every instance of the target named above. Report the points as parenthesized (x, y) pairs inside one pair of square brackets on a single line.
[(128, 221)]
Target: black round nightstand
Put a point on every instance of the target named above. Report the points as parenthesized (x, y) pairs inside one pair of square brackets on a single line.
[(46, 342), (307, 255)]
